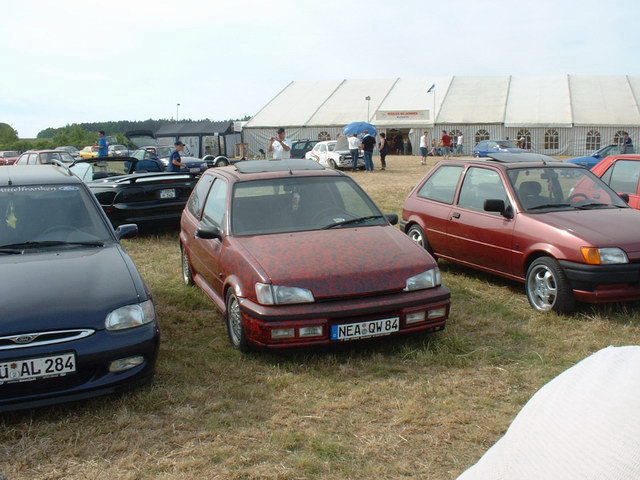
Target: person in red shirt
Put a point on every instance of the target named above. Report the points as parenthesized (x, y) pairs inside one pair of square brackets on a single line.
[(446, 144)]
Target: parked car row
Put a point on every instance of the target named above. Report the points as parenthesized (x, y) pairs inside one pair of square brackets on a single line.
[(277, 247)]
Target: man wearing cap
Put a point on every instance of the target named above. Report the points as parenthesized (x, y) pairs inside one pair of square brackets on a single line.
[(280, 146), (174, 160)]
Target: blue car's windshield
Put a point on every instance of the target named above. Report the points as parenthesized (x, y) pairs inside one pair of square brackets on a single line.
[(50, 214)]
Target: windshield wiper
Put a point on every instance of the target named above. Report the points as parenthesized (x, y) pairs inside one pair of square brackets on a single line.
[(352, 220), (47, 243), (10, 251), (588, 206), (549, 205)]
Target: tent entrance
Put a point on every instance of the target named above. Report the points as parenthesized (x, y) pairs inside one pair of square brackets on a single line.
[(399, 141)]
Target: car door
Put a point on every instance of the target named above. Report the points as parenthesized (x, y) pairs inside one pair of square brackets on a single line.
[(208, 251), (623, 176), (480, 238), (191, 221), (432, 204), (322, 154)]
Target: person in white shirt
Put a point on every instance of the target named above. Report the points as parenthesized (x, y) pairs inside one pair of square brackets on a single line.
[(460, 144), (280, 146), (354, 148), (424, 147)]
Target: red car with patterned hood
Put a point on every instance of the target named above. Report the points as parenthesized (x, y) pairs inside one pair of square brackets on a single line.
[(293, 254)]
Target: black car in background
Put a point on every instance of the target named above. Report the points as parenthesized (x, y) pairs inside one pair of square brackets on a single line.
[(76, 318), (300, 147), (133, 191)]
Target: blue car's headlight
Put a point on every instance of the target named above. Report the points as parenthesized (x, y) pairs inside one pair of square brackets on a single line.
[(131, 316)]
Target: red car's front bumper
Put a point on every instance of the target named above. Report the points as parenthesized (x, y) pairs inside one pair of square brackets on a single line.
[(260, 320)]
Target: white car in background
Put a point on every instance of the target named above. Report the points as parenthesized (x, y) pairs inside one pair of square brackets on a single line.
[(334, 154)]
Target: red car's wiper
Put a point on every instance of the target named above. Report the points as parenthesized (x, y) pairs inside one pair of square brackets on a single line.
[(352, 220), (550, 205)]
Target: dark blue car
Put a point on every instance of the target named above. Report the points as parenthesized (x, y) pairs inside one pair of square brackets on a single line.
[(483, 148), (592, 160), (76, 318)]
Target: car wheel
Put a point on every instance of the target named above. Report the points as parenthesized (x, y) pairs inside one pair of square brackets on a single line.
[(332, 164), (416, 234), (476, 155), (221, 163), (235, 325), (186, 267), (548, 287)]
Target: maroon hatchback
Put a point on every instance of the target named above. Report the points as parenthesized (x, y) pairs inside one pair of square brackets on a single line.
[(293, 254), (552, 225)]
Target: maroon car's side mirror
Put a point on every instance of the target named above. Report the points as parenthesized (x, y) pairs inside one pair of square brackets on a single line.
[(624, 196), (496, 205), (209, 232)]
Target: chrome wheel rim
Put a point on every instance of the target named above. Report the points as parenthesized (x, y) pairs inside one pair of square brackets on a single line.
[(235, 320), (416, 236), (542, 288), (186, 269)]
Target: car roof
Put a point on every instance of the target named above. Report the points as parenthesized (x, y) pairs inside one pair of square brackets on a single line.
[(627, 156), (36, 175), (44, 151), (265, 169), (510, 165)]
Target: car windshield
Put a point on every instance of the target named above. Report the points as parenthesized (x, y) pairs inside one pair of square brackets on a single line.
[(546, 189), (51, 216), (506, 143), (294, 204), (164, 152)]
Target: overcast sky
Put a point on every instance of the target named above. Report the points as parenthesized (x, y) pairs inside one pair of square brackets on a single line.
[(80, 61)]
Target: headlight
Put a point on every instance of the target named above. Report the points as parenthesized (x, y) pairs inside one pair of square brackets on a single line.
[(276, 295), (604, 256), (341, 158), (429, 279), (131, 316)]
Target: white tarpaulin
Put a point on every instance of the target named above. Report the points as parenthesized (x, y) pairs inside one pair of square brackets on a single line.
[(412, 97), (538, 101), (475, 100), (603, 100), (583, 425), (294, 105)]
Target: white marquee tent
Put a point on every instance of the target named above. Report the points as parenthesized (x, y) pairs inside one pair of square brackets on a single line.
[(561, 114)]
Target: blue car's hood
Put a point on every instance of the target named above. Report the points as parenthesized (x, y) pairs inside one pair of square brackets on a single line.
[(59, 289), (585, 161)]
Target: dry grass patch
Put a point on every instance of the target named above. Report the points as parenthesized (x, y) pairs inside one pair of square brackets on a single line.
[(414, 407)]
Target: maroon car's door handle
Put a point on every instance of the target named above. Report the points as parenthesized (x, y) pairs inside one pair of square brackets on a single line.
[(455, 215)]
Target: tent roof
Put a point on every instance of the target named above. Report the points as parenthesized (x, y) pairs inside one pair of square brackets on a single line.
[(600, 100), (539, 101), (475, 100), (182, 129), (515, 101), (295, 105)]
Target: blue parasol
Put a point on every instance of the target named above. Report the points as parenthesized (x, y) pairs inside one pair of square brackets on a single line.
[(358, 128)]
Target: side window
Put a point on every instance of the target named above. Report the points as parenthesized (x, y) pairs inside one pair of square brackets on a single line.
[(441, 186), (322, 148), (196, 201), (625, 175), (22, 160), (481, 184), (482, 145), (215, 206), (33, 159)]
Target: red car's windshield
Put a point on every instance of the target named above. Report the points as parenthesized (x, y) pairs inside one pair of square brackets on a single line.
[(558, 188), (293, 204)]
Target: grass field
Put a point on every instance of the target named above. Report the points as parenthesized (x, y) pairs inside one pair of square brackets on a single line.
[(415, 407)]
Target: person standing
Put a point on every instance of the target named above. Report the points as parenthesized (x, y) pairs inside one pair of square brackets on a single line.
[(368, 143), (280, 145), (627, 144), (460, 144), (354, 148), (424, 148), (103, 151), (175, 162), (384, 149), (446, 144)]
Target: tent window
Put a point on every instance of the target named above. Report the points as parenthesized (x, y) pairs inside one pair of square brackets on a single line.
[(617, 138), (593, 140), (324, 136), (482, 135), (524, 139), (551, 139)]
